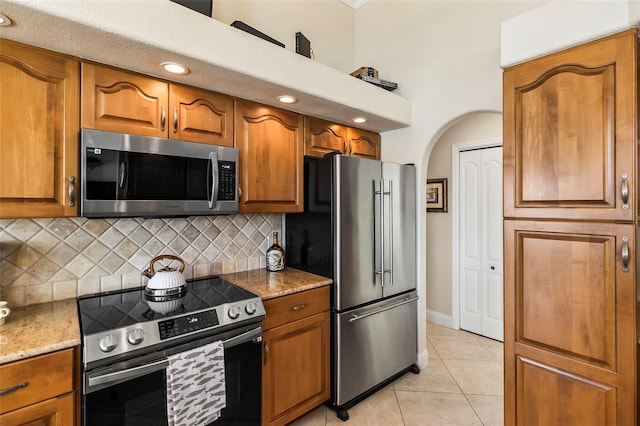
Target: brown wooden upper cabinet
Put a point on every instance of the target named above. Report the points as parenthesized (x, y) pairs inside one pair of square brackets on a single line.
[(570, 133), (322, 137), (39, 125), (121, 101), (271, 158)]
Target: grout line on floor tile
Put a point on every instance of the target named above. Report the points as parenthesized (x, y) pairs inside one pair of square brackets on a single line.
[(473, 408)]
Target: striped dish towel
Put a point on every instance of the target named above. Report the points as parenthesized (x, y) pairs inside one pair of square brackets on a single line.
[(195, 386)]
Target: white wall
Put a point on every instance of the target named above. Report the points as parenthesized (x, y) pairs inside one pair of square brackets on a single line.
[(444, 55), (329, 25)]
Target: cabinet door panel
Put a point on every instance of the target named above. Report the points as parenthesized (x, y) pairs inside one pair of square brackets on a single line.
[(296, 368), (583, 402), (570, 303), (39, 125), (363, 143), (570, 133), (52, 412), (119, 101), (322, 137), (201, 116), (271, 156)]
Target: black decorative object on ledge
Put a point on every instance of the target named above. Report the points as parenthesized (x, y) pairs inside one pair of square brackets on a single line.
[(303, 45), (249, 29), (202, 6)]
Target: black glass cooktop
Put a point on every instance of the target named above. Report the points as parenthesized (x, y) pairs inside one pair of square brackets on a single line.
[(107, 311)]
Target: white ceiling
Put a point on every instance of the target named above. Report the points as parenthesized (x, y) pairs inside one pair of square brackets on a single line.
[(135, 36)]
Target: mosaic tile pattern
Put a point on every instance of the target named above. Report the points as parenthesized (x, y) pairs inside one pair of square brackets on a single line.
[(42, 260)]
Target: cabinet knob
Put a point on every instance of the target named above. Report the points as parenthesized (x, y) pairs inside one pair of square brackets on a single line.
[(493, 268), (163, 118)]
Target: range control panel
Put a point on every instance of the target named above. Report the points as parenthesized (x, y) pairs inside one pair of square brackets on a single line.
[(187, 324)]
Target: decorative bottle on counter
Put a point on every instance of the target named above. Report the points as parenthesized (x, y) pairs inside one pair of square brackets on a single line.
[(275, 256)]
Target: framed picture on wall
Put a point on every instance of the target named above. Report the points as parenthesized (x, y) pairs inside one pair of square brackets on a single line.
[(437, 195)]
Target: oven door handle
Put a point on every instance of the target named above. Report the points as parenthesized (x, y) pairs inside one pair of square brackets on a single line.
[(128, 374), (253, 334)]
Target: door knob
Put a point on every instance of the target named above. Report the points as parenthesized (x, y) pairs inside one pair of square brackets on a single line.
[(493, 268)]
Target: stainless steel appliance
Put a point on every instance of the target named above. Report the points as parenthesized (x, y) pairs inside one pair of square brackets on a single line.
[(129, 175), (128, 336), (359, 229)]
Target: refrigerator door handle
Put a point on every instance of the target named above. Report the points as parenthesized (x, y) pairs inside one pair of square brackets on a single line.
[(355, 317), (375, 272), (380, 194), (390, 270)]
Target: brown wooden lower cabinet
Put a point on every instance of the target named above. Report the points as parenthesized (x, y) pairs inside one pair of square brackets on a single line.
[(52, 412), (40, 390), (570, 314), (296, 368)]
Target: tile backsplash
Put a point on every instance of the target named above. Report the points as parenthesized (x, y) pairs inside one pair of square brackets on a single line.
[(42, 260)]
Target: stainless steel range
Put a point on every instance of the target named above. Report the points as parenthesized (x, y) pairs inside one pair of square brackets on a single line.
[(127, 337)]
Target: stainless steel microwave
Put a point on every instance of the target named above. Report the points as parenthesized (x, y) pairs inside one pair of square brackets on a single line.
[(126, 175)]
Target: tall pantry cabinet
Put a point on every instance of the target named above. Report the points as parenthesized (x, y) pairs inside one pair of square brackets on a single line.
[(570, 210)]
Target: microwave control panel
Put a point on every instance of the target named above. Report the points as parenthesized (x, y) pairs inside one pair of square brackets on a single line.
[(227, 181)]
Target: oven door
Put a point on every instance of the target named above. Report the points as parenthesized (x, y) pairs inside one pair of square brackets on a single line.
[(133, 392)]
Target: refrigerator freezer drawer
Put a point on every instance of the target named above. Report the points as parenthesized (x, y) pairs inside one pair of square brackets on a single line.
[(373, 344)]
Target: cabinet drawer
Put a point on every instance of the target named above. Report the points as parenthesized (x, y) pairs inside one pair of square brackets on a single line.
[(46, 376), (282, 310)]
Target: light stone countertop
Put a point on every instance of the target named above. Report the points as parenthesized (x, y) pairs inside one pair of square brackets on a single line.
[(48, 327), (269, 285), (39, 329)]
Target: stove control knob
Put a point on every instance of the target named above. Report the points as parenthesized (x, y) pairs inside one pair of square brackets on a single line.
[(234, 312), (108, 343), (251, 308), (136, 336)]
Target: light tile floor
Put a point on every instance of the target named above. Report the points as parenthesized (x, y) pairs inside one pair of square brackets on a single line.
[(462, 385)]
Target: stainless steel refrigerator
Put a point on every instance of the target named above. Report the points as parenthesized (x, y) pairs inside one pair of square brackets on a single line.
[(358, 228)]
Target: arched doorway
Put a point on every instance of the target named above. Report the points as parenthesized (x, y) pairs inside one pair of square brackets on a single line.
[(442, 294)]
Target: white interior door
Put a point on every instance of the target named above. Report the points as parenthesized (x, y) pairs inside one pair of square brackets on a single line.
[(481, 278)]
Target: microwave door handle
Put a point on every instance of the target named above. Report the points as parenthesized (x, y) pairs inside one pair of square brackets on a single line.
[(122, 175), (212, 192), (122, 178)]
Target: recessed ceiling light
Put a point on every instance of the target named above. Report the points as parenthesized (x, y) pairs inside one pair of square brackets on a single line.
[(4, 20), (359, 120), (175, 68), (287, 99)]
